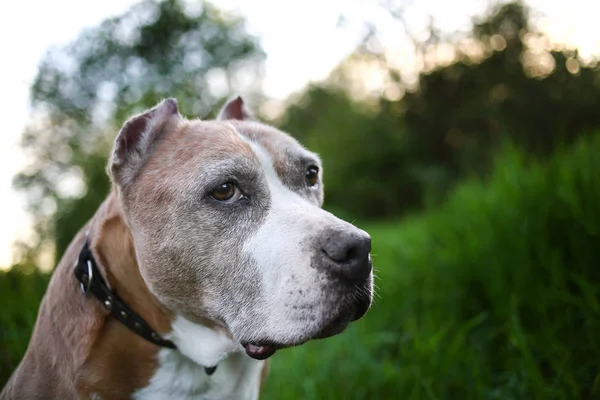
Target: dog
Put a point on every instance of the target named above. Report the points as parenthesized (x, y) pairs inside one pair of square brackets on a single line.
[(210, 253)]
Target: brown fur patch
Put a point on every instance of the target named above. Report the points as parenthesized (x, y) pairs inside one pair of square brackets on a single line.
[(120, 361)]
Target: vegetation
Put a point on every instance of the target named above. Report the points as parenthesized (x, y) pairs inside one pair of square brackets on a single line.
[(405, 154), (20, 293)]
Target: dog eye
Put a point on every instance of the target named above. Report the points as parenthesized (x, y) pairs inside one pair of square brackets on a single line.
[(226, 192), (312, 175)]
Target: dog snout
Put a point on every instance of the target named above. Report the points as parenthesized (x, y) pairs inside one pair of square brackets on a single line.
[(347, 253)]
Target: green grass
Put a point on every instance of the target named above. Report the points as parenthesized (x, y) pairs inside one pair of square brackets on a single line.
[(495, 295), (20, 296)]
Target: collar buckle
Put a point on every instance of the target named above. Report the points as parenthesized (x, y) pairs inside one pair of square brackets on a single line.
[(86, 279)]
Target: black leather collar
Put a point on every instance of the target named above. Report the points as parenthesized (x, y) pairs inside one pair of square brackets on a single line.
[(88, 274), (91, 280)]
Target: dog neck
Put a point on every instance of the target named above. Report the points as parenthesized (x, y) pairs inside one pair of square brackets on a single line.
[(78, 350), (112, 245)]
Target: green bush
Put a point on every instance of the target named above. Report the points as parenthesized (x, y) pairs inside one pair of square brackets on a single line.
[(494, 296), (21, 291), (369, 168)]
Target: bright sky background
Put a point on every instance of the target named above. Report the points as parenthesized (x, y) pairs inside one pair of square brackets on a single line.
[(300, 38)]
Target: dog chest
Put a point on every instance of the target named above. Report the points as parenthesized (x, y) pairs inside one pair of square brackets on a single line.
[(180, 378)]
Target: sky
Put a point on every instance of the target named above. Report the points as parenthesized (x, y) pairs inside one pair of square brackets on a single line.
[(303, 42)]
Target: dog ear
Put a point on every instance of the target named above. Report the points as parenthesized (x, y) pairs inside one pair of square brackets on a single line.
[(235, 109), (137, 138)]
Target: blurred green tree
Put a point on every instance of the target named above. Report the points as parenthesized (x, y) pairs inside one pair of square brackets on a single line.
[(84, 91), (366, 154), (523, 90), (505, 82)]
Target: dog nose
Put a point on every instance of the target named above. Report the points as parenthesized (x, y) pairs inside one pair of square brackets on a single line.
[(349, 251)]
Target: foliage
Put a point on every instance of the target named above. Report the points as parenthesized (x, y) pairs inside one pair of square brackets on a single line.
[(21, 291), (366, 157), (85, 90), (495, 295), (522, 91), (391, 156)]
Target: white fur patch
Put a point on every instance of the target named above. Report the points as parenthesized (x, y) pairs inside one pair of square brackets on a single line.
[(278, 248), (181, 373), (201, 344)]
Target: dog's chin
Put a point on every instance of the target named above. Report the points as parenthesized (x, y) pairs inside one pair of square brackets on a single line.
[(263, 349)]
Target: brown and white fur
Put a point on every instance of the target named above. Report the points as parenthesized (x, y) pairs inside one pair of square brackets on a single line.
[(265, 269)]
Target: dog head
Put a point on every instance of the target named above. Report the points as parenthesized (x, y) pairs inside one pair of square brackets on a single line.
[(227, 223)]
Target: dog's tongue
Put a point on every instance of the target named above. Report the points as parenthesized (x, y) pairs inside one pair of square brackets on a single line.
[(259, 352)]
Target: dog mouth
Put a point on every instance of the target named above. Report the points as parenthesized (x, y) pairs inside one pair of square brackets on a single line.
[(264, 350), (260, 351), (352, 311)]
